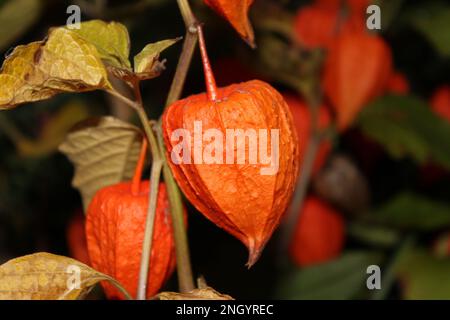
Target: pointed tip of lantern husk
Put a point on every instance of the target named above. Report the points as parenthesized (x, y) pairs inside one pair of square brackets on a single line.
[(251, 42), (254, 251)]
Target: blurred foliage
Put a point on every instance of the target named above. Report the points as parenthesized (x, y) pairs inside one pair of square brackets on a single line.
[(414, 211), (407, 126), (423, 276), (341, 279)]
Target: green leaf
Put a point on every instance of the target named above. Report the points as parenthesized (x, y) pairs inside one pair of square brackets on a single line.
[(424, 277), (406, 126), (389, 9), (413, 211), (111, 40), (337, 280), (433, 21), (373, 235), (18, 16), (146, 61)]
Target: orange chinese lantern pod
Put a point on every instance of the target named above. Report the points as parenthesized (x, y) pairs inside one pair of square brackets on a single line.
[(76, 238), (440, 102), (302, 122), (316, 27), (319, 234), (241, 186), (398, 84), (115, 226), (356, 71), (236, 12)]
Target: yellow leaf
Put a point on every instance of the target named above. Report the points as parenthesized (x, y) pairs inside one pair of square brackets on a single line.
[(111, 40), (103, 152), (45, 276), (146, 63), (39, 70)]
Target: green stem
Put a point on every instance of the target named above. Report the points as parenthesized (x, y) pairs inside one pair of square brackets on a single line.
[(190, 42), (186, 13), (388, 278), (184, 270), (313, 100), (149, 227), (154, 187), (153, 196)]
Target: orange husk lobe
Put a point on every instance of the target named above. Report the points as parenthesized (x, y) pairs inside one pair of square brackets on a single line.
[(236, 12)]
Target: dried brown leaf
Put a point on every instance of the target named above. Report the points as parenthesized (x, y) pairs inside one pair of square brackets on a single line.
[(45, 276), (206, 293), (104, 152)]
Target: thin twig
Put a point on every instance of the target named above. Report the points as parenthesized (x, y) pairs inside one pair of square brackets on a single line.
[(128, 102), (190, 42), (184, 269), (389, 273), (154, 186), (152, 197), (313, 99)]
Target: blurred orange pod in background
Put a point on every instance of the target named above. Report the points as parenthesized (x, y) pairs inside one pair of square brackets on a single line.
[(319, 235)]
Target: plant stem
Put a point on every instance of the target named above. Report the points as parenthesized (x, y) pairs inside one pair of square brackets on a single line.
[(130, 103), (190, 42), (149, 227), (153, 196), (313, 99), (184, 269), (154, 186), (388, 278), (186, 12)]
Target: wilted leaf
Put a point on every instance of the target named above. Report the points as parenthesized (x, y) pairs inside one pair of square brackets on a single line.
[(146, 63), (104, 152), (424, 277), (62, 63), (45, 276), (414, 211), (337, 280), (236, 12), (406, 126), (207, 293), (111, 40), (18, 16), (433, 21)]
